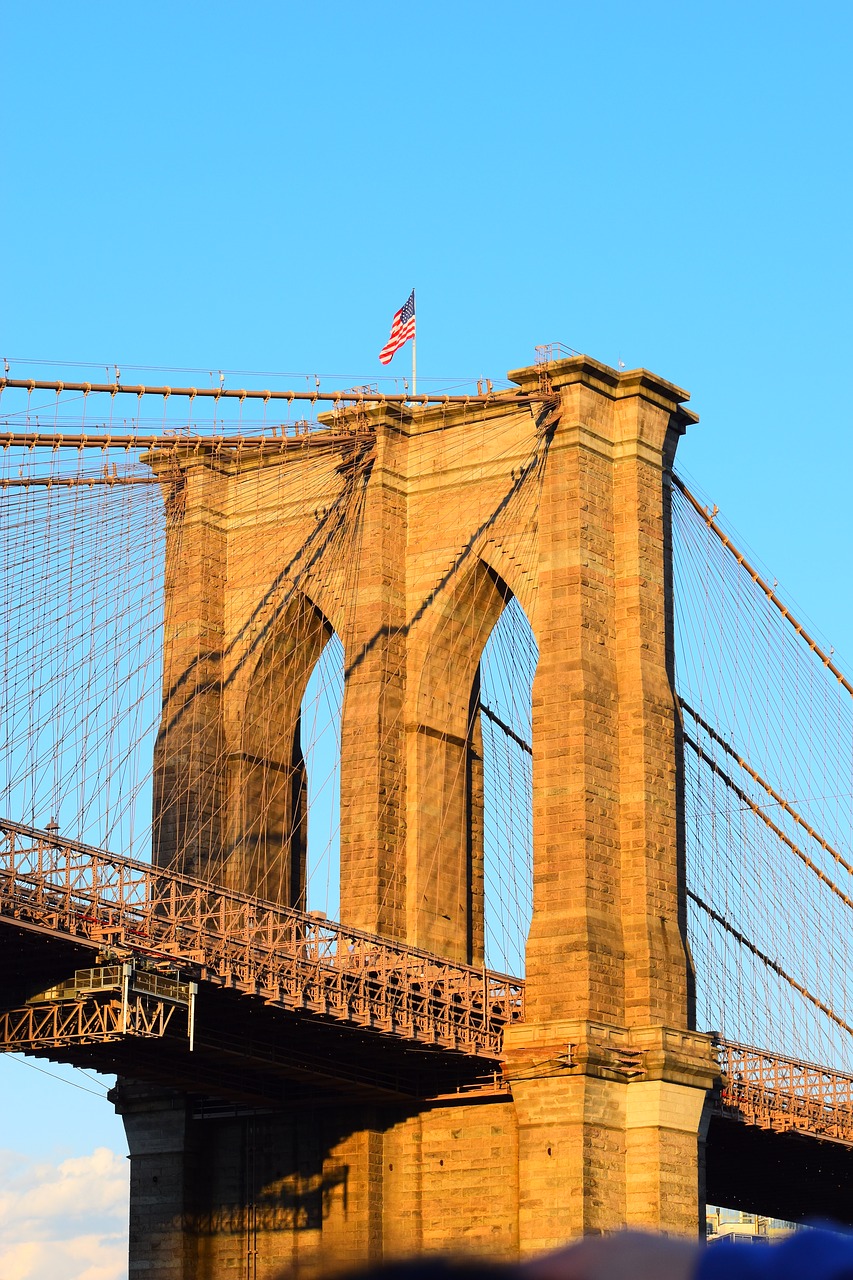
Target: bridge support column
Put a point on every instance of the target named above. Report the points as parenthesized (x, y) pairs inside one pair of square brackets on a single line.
[(608, 1128), (188, 756), (662, 1121), (163, 1176), (609, 1083), (373, 745)]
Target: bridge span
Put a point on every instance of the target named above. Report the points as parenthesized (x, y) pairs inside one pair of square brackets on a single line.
[(282, 993), (576, 734), (112, 964)]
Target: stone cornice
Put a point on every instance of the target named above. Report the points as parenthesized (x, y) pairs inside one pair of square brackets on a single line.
[(614, 383)]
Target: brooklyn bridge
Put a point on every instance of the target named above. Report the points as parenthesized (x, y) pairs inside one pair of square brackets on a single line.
[(426, 809)]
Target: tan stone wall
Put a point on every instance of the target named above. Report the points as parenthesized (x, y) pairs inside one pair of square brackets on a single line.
[(188, 774), (316, 1191)]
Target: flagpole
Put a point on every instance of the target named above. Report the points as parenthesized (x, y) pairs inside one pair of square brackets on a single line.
[(414, 352)]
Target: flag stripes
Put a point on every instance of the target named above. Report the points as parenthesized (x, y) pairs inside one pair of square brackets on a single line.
[(402, 329)]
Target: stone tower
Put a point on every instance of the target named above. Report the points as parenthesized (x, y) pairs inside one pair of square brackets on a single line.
[(406, 531)]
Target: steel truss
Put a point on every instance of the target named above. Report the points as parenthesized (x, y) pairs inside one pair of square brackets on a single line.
[(38, 1028), (785, 1094), (289, 958), (298, 962)]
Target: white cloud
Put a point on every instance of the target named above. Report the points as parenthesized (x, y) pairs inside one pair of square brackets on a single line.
[(63, 1220)]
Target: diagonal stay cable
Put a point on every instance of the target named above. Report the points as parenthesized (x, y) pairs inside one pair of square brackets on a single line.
[(762, 782), (766, 960), (510, 733), (708, 517), (759, 812)]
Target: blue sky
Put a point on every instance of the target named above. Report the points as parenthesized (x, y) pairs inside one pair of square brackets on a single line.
[(201, 185), (663, 184)]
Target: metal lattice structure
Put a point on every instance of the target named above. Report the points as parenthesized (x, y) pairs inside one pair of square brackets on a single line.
[(784, 1094), (290, 959)]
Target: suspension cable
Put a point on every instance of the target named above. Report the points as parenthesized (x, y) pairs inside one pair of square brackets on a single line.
[(221, 393), (510, 733), (762, 782), (708, 517), (759, 812), (74, 482), (771, 964)]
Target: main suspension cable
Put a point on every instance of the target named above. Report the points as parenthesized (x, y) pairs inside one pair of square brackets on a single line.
[(762, 782), (759, 812), (223, 393)]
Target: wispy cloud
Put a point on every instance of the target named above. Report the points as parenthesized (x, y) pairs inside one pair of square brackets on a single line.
[(63, 1220)]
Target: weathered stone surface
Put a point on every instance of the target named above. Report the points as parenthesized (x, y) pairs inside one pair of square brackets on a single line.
[(407, 539)]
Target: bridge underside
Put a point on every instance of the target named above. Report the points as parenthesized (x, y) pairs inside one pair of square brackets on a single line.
[(245, 1049), (792, 1176)]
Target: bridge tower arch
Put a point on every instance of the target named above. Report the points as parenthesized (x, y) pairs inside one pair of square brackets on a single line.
[(445, 880), (447, 511), (267, 837)]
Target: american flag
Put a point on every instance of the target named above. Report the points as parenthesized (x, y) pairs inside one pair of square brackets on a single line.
[(402, 328)]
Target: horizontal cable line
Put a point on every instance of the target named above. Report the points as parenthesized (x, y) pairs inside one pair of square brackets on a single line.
[(75, 482), (222, 393), (759, 812), (771, 964), (708, 517), (359, 378), (137, 440), (510, 733), (762, 782)]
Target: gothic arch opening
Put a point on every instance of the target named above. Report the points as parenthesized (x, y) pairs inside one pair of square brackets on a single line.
[(506, 672), (268, 777), (320, 722), (463, 769)]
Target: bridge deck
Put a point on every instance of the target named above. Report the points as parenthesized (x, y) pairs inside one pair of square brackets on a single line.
[(784, 1094), (60, 901), (280, 994)]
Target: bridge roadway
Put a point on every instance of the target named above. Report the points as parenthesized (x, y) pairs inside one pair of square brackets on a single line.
[(780, 1137), (115, 965), (282, 995)]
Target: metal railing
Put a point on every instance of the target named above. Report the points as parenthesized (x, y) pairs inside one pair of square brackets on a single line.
[(39, 1028), (289, 958), (298, 961), (785, 1094)]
